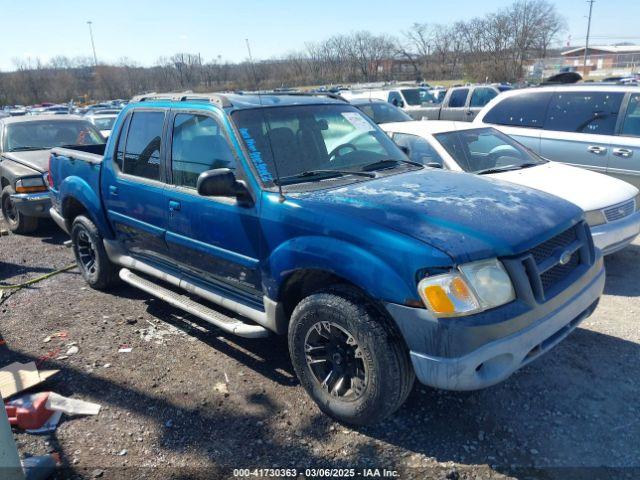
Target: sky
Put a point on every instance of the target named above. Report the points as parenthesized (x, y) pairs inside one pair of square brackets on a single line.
[(144, 30)]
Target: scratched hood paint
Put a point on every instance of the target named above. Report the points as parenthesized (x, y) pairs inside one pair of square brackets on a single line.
[(467, 216)]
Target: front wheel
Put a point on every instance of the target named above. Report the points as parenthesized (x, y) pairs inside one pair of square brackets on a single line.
[(94, 264), (16, 221), (348, 358)]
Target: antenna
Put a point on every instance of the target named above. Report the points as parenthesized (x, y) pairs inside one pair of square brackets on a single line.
[(266, 121)]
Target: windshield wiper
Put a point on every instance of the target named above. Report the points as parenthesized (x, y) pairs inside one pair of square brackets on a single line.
[(321, 174), (388, 163), (506, 168), (26, 149)]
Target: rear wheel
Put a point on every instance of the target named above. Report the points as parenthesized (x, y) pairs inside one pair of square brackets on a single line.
[(94, 264), (348, 358), (16, 221)]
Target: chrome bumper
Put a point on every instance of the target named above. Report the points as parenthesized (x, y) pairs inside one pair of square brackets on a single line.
[(32, 204), (613, 236)]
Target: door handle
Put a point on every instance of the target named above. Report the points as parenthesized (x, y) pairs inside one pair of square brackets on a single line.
[(469, 112), (622, 152), (113, 190), (597, 150), (174, 206)]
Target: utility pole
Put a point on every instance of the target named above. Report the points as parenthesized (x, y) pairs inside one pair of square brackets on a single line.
[(93, 46), (586, 48)]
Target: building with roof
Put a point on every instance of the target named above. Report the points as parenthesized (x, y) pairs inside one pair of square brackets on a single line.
[(604, 60)]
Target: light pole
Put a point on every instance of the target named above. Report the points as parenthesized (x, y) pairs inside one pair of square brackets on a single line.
[(93, 46), (586, 48)]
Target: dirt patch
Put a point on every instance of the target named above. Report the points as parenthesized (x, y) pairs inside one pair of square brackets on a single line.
[(190, 402)]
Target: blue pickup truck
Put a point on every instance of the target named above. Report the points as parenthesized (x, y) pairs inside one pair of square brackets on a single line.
[(296, 215)]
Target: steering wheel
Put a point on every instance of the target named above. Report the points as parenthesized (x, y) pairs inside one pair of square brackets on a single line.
[(335, 153)]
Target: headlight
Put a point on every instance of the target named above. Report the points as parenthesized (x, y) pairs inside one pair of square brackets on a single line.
[(475, 287), (595, 218), (30, 184)]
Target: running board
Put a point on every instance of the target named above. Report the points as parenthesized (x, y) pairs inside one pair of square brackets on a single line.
[(219, 319)]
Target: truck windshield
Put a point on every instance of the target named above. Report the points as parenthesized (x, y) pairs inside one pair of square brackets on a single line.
[(104, 123), (486, 150), (418, 96), (46, 134), (308, 138)]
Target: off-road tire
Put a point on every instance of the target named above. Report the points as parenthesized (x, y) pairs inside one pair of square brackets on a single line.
[(102, 273), (390, 375), (16, 221)]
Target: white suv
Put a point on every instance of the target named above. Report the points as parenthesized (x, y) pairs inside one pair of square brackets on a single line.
[(592, 126)]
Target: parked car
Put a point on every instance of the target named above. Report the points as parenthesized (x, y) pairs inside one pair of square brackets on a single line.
[(460, 103), (612, 206), (413, 100), (380, 111), (591, 126), (24, 155), (374, 266), (103, 121)]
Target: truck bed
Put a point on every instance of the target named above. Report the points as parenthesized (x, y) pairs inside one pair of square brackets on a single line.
[(74, 169)]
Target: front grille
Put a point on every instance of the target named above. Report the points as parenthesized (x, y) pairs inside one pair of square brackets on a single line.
[(546, 249), (619, 211), (558, 272), (549, 263)]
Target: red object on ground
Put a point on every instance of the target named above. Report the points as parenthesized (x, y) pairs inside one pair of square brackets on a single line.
[(32, 417)]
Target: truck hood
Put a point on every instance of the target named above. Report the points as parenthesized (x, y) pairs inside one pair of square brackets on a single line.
[(466, 216), (589, 190), (36, 159)]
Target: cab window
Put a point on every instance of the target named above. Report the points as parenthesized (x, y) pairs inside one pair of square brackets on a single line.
[(143, 143), (481, 96), (458, 98), (198, 145)]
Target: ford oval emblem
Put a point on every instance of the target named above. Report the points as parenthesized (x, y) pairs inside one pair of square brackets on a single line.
[(565, 258)]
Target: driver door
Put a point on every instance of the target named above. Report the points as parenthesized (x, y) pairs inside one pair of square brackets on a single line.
[(214, 239)]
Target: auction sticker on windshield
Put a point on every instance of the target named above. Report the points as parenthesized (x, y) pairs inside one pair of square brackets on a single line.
[(358, 121)]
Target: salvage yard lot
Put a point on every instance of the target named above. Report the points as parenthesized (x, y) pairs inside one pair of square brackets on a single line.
[(188, 397)]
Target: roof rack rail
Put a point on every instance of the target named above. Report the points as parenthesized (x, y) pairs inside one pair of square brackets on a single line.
[(216, 98), (315, 94), (293, 94)]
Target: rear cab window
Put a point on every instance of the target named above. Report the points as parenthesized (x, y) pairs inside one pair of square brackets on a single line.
[(140, 154), (458, 98)]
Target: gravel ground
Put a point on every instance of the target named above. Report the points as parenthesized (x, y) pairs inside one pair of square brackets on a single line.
[(189, 402)]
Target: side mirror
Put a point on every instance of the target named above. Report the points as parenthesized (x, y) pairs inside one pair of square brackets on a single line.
[(221, 182), (434, 165), (405, 150)]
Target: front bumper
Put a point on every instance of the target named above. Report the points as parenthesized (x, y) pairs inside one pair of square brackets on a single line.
[(32, 204), (495, 360), (613, 236)]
